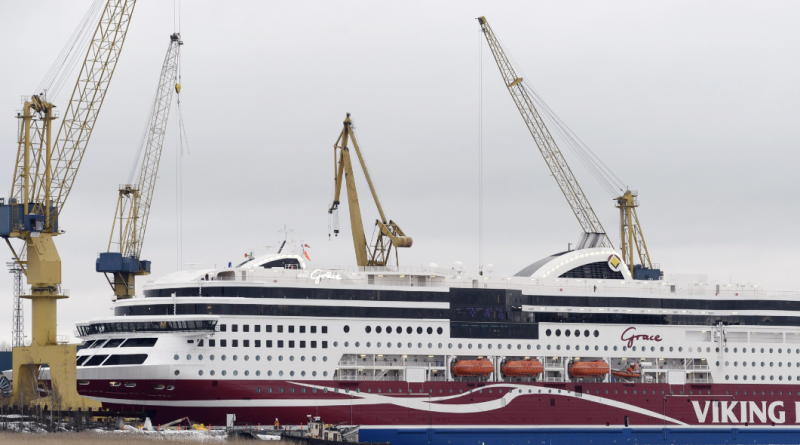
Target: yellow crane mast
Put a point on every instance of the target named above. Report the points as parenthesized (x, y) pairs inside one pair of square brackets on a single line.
[(389, 233), (133, 203), (631, 236), (44, 173), (544, 141)]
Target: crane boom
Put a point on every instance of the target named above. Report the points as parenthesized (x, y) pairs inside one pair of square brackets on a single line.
[(389, 233), (134, 201), (544, 141)]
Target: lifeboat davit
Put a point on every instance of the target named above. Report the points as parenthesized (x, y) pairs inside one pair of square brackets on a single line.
[(596, 368), (472, 368), (633, 372), (522, 368)]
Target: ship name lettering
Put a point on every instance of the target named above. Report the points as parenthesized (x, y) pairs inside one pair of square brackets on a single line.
[(748, 412), (633, 337), (319, 274)]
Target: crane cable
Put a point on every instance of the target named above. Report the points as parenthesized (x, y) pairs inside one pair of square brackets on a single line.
[(596, 167)]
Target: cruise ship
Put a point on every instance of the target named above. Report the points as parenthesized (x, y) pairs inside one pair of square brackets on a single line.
[(571, 348)]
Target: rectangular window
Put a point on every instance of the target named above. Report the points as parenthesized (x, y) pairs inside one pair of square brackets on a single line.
[(223, 328), (234, 328), (257, 328), (246, 328), (258, 343), (223, 343), (313, 343), (212, 343), (291, 329), (302, 329), (324, 345), (268, 328), (302, 343), (200, 343), (324, 329), (280, 328), (245, 343), (291, 343), (269, 343), (280, 343), (234, 343), (313, 329)]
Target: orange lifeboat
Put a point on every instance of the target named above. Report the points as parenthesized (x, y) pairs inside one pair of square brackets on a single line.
[(472, 368), (522, 368), (633, 372), (596, 368)]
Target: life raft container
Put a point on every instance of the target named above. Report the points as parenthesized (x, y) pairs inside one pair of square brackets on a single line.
[(595, 368), (633, 372), (472, 368), (522, 368)]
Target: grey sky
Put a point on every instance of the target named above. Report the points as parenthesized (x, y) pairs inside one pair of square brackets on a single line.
[(693, 104)]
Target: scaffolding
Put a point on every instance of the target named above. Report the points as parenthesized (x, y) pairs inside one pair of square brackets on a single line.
[(17, 314)]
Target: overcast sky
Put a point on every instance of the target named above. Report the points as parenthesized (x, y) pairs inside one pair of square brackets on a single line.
[(693, 104)]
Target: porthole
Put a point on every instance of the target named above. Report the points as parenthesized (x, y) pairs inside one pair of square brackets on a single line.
[(258, 390), (303, 373), (399, 330), (177, 372), (670, 349), (223, 357), (235, 373), (368, 329), (548, 332), (200, 357), (246, 357), (469, 346), (200, 372), (567, 332), (605, 348), (577, 333), (596, 333), (335, 344), (235, 357), (439, 330), (419, 329), (558, 347), (313, 358), (409, 330), (280, 358), (430, 330), (378, 345), (325, 359), (258, 373), (388, 329), (449, 346), (662, 349), (410, 345), (211, 372), (548, 347), (596, 348), (480, 346), (269, 358), (188, 356), (302, 358), (325, 374), (520, 347), (490, 346), (615, 348), (440, 346), (419, 345), (280, 373), (291, 373), (558, 332), (314, 374), (176, 357), (567, 345), (347, 344), (258, 358), (269, 373), (211, 357), (378, 329), (224, 372), (346, 329)]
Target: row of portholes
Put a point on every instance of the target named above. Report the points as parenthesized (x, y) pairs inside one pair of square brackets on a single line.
[(753, 350), (753, 364), (258, 358), (567, 333), (258, 373), (772, 377), (399, 330)]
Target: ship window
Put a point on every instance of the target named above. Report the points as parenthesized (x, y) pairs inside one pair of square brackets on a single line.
[(234, 343), (324, 329), (131, 359), (346, 329), (280, 328), (89, 344), (269, 343), (291, 343), (586, 333), (246, 328), (223, 328), (258, 343), (378, 329), (430, 330), (302, 343), (246, 343), (99, 343), (291, 329), (257, 328), (212, 343), (368, 329), (96, 360), (313, 343), (439, 331), (223, 343), (388, 329), (324, 345), (235, 328), (302, 329), (268, 328), (548, 332), (280, 343), (558, 332), (313, 329), (113, 343), (409, 330)]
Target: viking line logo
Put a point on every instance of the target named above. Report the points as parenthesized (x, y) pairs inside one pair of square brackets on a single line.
[(633, 337), (748, 412)]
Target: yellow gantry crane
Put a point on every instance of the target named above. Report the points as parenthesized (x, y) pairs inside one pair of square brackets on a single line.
[(45, 170), (389, 233), (123, 258), (630, 230)]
